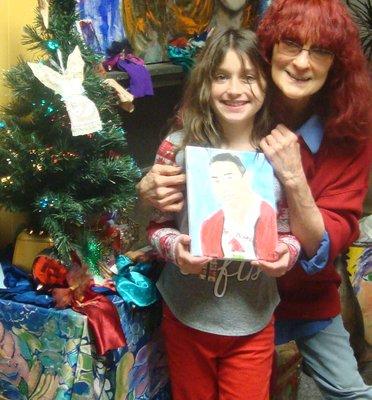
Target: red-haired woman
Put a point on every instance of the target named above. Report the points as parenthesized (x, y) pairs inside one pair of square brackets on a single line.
[(323, 93)]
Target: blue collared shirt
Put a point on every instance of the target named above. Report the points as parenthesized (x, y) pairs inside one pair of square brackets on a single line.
[(285, 330)]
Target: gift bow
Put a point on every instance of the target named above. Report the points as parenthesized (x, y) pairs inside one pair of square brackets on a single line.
[(82, 111), (131, 283), (76, 292)]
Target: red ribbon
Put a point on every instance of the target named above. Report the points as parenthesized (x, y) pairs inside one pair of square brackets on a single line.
[(103, 320)]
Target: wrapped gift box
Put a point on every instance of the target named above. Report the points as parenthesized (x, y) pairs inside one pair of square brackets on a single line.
[(48, 354)]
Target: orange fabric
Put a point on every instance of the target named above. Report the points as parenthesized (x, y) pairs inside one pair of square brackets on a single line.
[(205, 366), (248, 17), (193, 18)]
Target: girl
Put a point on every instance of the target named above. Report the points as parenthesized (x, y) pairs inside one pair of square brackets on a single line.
[(219, 347)]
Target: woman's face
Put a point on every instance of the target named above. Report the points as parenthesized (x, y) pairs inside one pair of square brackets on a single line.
[(233, 5), (299, 77)]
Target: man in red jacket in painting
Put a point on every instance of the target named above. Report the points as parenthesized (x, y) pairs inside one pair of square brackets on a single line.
[(245, 227)]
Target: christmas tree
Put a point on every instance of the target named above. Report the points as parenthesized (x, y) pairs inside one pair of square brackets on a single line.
[(63, 153)]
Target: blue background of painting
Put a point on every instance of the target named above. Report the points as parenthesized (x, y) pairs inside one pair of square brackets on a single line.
[(106, 17), (199, 186)]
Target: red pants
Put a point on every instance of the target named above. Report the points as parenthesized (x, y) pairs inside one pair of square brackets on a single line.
[(204, 366)]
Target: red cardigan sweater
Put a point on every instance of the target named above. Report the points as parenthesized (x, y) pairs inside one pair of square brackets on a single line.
[(265, 236), (339, 183)]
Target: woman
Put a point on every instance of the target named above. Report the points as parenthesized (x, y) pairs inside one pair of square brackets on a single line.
[(323, 94)]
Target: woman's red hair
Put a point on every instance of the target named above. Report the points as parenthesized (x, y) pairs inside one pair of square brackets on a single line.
[(345, 99)]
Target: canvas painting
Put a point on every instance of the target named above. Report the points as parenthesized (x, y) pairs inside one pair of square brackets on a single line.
[(360, 271), (231, 204), (101, 23)]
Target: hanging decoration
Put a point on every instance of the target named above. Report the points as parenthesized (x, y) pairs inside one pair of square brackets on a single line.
[(44, 12), (92, 256), (125, 98), (82, 111), (51, 45)]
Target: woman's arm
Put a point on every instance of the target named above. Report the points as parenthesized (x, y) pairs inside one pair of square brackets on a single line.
[(282, 149), (334, 213), (162, 187)]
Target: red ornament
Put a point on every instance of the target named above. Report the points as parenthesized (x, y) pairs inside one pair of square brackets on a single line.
[(113, 154), (49, 272)]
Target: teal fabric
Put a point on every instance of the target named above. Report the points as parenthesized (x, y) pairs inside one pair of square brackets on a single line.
[(131, 283)]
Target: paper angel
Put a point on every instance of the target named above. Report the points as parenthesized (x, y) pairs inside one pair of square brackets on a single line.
[(82, 111)]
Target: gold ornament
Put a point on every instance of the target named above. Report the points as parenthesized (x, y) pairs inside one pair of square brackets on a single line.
[(28, 246)]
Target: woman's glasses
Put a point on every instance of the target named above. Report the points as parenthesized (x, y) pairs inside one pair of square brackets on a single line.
[(293, 49)]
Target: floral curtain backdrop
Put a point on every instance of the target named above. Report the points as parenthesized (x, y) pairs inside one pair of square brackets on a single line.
[(150, 24)]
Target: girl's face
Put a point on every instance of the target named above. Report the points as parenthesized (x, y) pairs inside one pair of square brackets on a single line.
[(237, 91), (299, 76)]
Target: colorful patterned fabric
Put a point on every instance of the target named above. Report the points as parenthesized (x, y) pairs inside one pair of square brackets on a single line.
[(48, 354)]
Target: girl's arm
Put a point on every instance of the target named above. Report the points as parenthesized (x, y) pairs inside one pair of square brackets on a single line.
[(162, 232)]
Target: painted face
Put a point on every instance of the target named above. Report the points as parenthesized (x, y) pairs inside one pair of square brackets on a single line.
[(236, 92), (233, 5), (299, 76), (228, 183)]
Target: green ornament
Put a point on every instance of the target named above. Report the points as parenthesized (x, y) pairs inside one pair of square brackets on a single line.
[(49, 110), (51, 45), (2, 124), (93, 256)]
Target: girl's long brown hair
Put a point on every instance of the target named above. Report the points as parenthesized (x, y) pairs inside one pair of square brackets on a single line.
[(196, 116)]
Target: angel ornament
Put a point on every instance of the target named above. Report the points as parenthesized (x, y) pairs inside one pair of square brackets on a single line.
[(83, 113)]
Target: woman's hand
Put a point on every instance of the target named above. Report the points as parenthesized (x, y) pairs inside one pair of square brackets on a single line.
[(277, 268), (282, 149), (162, 187), (188, 263)]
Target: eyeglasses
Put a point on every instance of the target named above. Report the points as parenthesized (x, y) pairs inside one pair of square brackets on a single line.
[(293, 49)]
